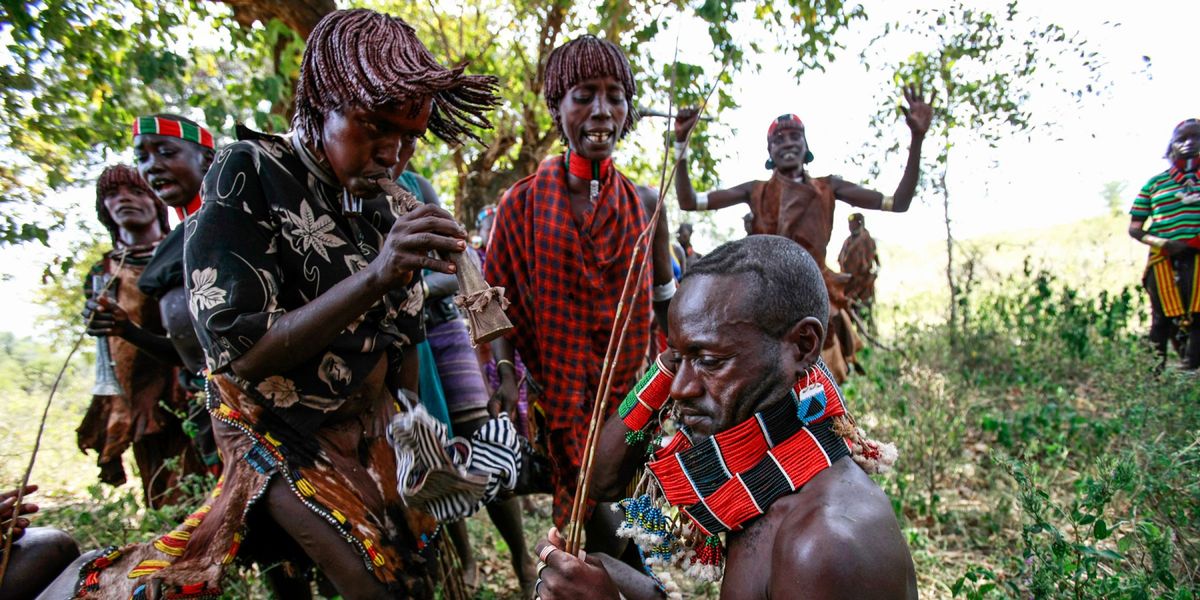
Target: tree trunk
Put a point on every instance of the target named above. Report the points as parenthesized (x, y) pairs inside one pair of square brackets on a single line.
[(300, 15), (950, 280), (479, 182)]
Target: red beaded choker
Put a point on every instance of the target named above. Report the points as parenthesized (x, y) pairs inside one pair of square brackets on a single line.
[(593, 170), (732, 478)]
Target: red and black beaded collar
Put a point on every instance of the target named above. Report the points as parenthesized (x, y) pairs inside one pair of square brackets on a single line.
[(733, 477)]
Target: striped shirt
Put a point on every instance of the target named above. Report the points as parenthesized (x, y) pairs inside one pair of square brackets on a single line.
[(1171, 201)]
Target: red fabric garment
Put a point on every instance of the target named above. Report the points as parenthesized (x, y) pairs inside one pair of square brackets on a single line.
[(564, 282)]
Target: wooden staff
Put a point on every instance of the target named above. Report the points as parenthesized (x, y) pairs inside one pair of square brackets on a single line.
[(483, 303), (637, 264), (650, 112)]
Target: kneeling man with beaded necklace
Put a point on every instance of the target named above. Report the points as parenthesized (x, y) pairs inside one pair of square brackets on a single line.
[(764, 451)]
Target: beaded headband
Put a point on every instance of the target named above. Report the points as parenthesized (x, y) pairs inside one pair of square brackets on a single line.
[(174, 128)]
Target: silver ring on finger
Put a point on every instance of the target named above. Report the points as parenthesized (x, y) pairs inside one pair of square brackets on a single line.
[(537, 589)]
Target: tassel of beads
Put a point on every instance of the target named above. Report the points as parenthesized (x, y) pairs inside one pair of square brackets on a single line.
[(709, 562), (648, 527), (873, 456)]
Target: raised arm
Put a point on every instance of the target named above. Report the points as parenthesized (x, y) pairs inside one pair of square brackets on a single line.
[(688, 198), (918, 115), (660, 249)]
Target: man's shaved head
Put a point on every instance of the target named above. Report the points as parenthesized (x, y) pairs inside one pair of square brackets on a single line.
[(789, 282)]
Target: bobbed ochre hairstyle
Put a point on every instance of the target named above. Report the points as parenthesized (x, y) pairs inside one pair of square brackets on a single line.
[(364, 59), (114, 177), (587, 57)]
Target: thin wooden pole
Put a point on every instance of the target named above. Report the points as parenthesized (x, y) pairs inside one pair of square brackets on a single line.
[(37, 440), (616, 338)]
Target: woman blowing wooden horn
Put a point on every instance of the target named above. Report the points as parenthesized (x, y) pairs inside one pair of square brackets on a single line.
[(304, 286)]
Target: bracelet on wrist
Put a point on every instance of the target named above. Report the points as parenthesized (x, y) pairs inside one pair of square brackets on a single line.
[(1154, 240), (505, 361), (681, 149), (664, 292), (647, 397)]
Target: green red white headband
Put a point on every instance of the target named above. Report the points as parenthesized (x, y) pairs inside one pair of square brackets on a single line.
[(174, 128)]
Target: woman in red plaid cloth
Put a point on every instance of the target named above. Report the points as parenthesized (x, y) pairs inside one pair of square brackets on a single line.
[(561, 247)]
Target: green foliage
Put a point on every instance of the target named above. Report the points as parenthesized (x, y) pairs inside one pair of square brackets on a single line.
[(512, 39), (1039, 457), (62, 290), (1061, 464), (984, 68), (1113, 194), (79, 71), (981, 68)]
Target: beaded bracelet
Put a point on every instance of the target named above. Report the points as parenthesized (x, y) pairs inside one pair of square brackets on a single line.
[(649, 395)]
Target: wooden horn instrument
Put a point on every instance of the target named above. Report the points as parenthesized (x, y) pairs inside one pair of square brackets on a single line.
[(483, 304)]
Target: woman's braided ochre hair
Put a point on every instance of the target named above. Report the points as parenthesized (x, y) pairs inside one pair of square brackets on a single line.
[(361, 58), (587, 57), (113, 178)]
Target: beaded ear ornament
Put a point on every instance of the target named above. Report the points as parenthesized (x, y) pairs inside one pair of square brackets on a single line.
[(690, 494)]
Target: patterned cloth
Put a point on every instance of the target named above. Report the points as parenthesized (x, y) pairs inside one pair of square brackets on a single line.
[(452, 478), (563, 280), (345, 473), (272, 236), (138, 418), (1170, 280), (459, 372), (857, 259), (1171, 201), (165, 270)]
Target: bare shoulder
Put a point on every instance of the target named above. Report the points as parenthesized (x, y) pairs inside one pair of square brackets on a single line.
[(840, 539), (648, 195)]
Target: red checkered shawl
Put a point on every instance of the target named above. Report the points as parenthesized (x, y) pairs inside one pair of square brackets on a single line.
[(564, 283)]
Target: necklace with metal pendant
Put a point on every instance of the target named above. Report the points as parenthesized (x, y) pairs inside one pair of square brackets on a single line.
[(351, 206)]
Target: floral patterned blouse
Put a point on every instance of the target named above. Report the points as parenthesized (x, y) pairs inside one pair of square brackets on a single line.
[(272, 236)]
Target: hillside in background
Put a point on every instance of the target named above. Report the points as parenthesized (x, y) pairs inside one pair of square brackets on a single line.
[(1092, 255)]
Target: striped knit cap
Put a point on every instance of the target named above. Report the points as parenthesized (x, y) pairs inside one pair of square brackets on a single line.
[(174, 127)]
